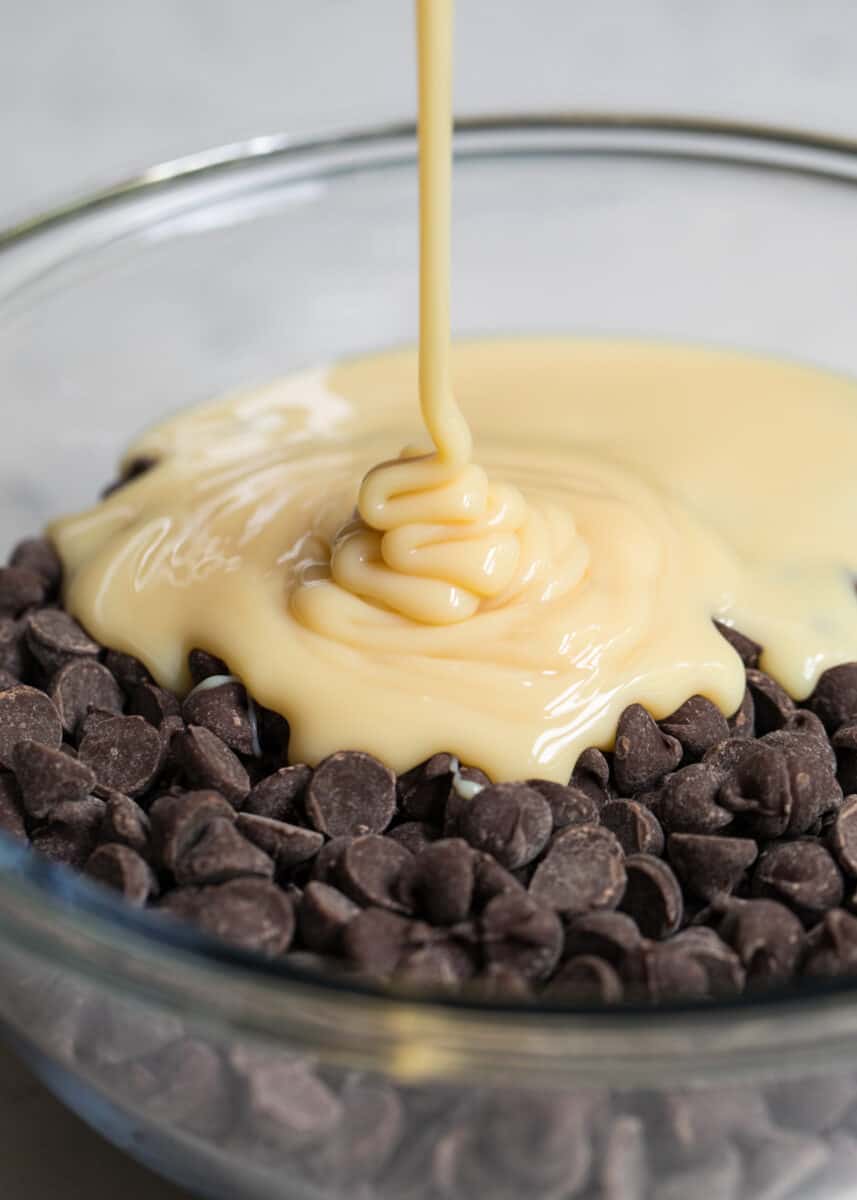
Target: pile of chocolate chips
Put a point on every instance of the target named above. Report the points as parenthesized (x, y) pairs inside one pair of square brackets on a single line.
[(703, 857)]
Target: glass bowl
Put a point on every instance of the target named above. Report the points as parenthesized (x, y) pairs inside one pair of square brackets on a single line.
[(245, 1079)]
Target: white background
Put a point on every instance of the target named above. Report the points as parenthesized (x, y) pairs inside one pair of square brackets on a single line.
[(95, 89)]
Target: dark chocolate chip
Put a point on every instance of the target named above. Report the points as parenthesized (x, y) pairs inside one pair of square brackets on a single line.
[(844, 743), (490, 880), (221, 853), (801, 874), (153, 703), (669, 971), (125, 753), (710, 866), (26, 715), (814, 1104), (40, 557), (591, 775), (47, 777), (224, 710), (497, 981), (624, 1167), (460, 795), (81, 685), (55, 638), (835, 697), (843, 836), (375, 940), (440, 965), (414, 835), (779, 1168), (288, 845), (832, 945), (744, 646), (252, 913), (438, 883), (203, 665), (613, 936), (687, 802), (369, 871), (759, 790), (323, 914), (20, 590), (719, 1176), (125, 822), (126, 670), (351, 794), (424, 789), (326, 864), (15, 658), (652, 896), (279, 796), (179, 821), (510, 821), (772, 704), (365, 1137), (72, 833), (583, 870), (724, 973), (766, 936), (643, 754), (697, 724), (121, 868), (569, 805), (209, 763), (285, 1105), (636, 827), (519, 931), (742, 723), (587, 980), (11, 808)]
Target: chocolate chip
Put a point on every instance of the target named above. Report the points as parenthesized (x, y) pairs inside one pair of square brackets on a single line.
[(424, 789), (652, 896), (121, 868), (778, 1169), (252, 913), (414, 835), (179, 821), (288, 845), (719, 1176), (624, 1170), (583, 870), (742, 723), (55, 638), (440, 965), (47, 777), (125, 753), (126, 670), (209, 763), (814, 1104), (40, 557), (125, 822), (369, 871), (351, 794), (636, 827), (569, 805), (510, 821), (724, 973), (224, 710), (587, 980), (15, 658), (323, 914), (766, 936), (687, 802), (710, 866), (669, 971), (772, 704), (153, 703), (221, 853), (802, 875), (376, 939), (520, 932), (591, 775), (26, 715), (643, 754), (81, 685), (775, 793), (845, 746), (744, 646), (20, 590), (365, 1138), (497, 981), (697, 725), (11, 808), (843, 835), (490, 880), (286, 1106), (439, 882), (464, 786), (72, 833), (612, 936), (832, 945), (203, 665), (326, 864), (835, 697), (279, 796), (802, 721)]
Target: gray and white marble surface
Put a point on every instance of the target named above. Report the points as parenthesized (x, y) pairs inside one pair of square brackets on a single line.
[(91, 90)]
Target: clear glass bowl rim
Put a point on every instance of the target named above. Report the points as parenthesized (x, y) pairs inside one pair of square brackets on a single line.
[(61, 918)]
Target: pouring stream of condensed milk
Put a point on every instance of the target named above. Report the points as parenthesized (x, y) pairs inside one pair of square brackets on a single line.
[(505, 612)]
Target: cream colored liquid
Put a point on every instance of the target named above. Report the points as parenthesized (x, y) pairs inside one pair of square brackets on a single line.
[(506, 612), (673, 484)]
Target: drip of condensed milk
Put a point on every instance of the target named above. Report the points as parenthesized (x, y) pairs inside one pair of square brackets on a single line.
[(505, 612)]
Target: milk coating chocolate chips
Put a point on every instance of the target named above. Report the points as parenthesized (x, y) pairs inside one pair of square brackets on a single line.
[(704, 857)]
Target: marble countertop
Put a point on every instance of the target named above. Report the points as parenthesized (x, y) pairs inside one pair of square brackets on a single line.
[(94, 90)]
